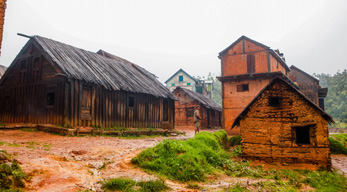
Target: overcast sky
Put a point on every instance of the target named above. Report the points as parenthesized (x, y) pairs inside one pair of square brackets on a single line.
[(163, 36)]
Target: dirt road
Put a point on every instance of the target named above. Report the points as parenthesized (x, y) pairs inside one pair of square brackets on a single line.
[(58, 163)]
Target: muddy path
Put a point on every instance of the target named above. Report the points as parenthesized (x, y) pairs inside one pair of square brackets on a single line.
[(58, 163)]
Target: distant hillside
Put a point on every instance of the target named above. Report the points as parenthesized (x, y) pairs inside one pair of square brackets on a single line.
[(336, 100)]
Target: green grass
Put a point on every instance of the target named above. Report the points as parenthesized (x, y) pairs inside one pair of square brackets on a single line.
[(29, 129), (11, 177), (189, 160), (337, 147), (128, 185), (236, 140), (341, 137)]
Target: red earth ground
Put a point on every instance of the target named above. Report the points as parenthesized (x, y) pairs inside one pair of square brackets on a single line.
[(64, 164)]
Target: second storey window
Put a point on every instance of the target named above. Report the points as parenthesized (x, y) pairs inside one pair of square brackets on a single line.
[(180, 78), (250, 64), (242, 87)]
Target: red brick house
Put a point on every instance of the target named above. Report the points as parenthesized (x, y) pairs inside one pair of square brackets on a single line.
[(247, 66), (281, 124), (210, 112), (308, 85)]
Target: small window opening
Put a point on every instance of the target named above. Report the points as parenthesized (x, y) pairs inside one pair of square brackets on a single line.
[(50, 98), (190, 112), (173, 84), (274, 101), (243, 87), (131, 102), (188, 83), (180, 78), (302, 135)]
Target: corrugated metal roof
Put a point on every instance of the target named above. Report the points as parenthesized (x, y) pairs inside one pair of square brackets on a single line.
[(2, 70), (111, 73), (205, 101)]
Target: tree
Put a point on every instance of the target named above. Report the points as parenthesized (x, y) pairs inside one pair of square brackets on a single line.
[(217, 87), (336, 100)]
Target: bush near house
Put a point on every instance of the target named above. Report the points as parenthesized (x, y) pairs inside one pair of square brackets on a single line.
[(337, 147)]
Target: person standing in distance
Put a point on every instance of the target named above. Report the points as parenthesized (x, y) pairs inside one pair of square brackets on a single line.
[(196, 119)]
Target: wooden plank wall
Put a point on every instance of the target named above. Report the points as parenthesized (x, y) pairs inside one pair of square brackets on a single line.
[(110, 108), (27, 104)]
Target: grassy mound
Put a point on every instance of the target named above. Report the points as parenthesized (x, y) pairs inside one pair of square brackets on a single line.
[(128, 185), (341, 137), (337, 147), (189, 160), (236, 140), (11, 176)]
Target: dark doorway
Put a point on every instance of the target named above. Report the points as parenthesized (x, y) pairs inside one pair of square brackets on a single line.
[(165, 110)]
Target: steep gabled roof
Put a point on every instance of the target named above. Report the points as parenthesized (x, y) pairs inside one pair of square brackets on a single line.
[(111, 73), (245, 111), (2, 70), (245, 38), (303, 72), (205, 101), (272, 52), (180, 70)]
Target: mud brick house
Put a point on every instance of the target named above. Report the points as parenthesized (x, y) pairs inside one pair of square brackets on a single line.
[(54, 83), (2, 70), (281, 124), (184, 80), (247, 66), (210, 112), (308, 85)]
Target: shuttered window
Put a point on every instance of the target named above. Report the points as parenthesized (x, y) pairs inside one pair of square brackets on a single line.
[(250, 64), (242, 87)]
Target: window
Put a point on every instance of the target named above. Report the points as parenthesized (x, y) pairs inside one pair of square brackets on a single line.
[(131, 102), (165, 110), (243, 87), (50, 98), (190, 112), (302, 135), (274, 101), (180, 78), (250, 64), (23, 64), (188, 83), (173, 84), (198, 90)]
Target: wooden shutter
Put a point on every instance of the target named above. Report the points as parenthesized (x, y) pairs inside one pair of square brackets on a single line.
[(250, 64), (239, 88)]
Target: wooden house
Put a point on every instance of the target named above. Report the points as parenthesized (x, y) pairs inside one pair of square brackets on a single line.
[(308, 85), (247, 66), (2, 70), (210, 112), (54, 83), (282, 125)]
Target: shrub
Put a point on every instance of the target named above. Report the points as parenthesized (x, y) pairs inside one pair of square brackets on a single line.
[(236, 140), (189, 160), (337, 147), (11, 177)]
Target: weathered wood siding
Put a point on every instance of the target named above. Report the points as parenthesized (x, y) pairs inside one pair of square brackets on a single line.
[(268, 131), (111, 108)]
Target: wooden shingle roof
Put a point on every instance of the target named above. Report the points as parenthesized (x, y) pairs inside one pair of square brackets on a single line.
[(205, 101), (111, 73)]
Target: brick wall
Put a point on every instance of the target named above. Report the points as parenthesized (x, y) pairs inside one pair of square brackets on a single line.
[(268, 132)]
